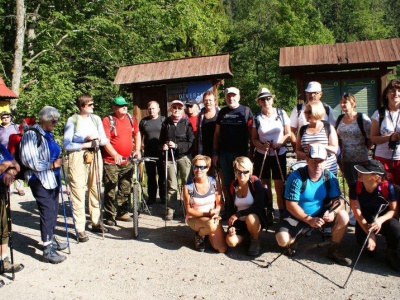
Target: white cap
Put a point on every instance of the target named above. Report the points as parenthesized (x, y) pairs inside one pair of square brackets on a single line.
[(263, 92), (232, 90), (177, 102), (317, 151), (313, 87)]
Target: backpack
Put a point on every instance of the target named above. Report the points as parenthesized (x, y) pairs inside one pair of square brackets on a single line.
[(232, 186), (190, 189), (300, 108), (360, 124), (383, 188), (112, 123), (327, 127), (280, 117), (23, 168)]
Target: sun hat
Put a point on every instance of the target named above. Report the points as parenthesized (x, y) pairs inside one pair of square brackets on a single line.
[(313, 87)]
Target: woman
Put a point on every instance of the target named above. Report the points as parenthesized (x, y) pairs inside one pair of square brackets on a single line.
[(317, 132), (385, 131), (247, 204), (374, 203), (355, 141), (271, 130), (83, 134), (202, 203), (43, 177)]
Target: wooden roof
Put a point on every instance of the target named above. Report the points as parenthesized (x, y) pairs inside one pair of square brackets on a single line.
[(5, 92), (340, 56), (216, 66)]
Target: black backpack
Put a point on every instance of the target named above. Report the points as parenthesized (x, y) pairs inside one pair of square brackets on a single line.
[(17, 154), (327, 127)]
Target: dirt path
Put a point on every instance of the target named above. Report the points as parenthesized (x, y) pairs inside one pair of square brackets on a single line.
[(161, 264)]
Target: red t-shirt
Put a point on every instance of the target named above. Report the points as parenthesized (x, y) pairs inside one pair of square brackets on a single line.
[(13, 141), (193, 121), (121, 138)]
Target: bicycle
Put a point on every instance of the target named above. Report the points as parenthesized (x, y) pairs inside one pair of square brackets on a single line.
[(136, 199)]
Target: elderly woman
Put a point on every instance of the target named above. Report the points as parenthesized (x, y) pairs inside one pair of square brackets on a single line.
[(317, 132), (39, 152), (249, 216), (271, 130), (83, 134), (202, 203), (373, 201), (385, 130), (353, 129)]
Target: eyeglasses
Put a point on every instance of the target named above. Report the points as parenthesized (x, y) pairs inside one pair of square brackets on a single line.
[(195, 167), (265, 98), (54, 122), (123, 105), (241, 172), (177, 107), (307, 112)]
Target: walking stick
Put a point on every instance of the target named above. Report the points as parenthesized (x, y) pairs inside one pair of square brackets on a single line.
[(179, 188), (279, 166), (9, 223), (97, 171), (166, 187), (220, 184), (263, 162), (65, 216), (70, 203)]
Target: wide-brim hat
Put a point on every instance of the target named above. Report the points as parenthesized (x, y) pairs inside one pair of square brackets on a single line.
[(313, 87), (264, 92), (371, 166)]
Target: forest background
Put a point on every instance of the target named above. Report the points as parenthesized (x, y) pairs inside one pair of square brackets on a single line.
[(52, 51)]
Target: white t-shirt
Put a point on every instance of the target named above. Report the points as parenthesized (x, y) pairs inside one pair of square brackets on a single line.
[(298, 122)]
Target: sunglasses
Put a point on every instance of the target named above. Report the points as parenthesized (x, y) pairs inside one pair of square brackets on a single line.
[(307, 112), (265, 99), (195, 167), (5, 117), (54, 122), (123, 105), (90, 104), (241, 172), (177, 107)]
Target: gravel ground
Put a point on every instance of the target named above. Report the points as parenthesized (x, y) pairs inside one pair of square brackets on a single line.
[(161, 264)]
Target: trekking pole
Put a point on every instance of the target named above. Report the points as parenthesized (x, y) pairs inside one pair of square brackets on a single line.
[(166, 187), (97, 171), (381, 208), (179, 187), (263, 162), (221, 184), (279, 166), (65, 216), (70, 203), (9, 223)]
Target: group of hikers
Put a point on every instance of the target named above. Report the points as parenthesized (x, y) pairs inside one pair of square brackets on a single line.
[(220, 164)]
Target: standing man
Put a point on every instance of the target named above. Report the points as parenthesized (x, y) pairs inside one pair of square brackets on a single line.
[(123, 132), (8, 128), (177, 138), (308, 195), (150, 128), (232, 134)]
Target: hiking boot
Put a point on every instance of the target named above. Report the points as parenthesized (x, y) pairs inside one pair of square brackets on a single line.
[(99, 228), (124, 218), (336, 255), (254, 248), (393, 259), (82, 237), (292, 249), (270, 216), (170, 214), (50, 255), (110, 222), (199, 242), (59, 246), (7, 266)]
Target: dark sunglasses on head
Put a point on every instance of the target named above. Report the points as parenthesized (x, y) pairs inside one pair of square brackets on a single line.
[(242, 172), (199, 167), (177, 107)]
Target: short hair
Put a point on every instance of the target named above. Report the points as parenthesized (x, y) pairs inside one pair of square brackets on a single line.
[(393, 84), (202, 157), (208, 93), (153, 102), (244, 162), (317, 109), (83, 99), (349, 97), (48, 113)]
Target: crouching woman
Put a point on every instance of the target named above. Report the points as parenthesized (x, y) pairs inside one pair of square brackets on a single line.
[(202, 203)]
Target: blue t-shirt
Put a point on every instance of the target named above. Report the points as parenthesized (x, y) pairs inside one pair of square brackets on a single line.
[(4, 156), (312, 199)]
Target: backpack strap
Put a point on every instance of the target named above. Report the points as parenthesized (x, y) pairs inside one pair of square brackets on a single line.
[(327, 127), (112, 123), (280, 116), (190, 189), (299, 107), (384, 189), (246, 113), (338, 120), (327, 110), (303, 176), (257, 120), (381, 112)]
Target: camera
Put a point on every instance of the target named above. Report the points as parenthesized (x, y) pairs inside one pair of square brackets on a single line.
[(393, 144)]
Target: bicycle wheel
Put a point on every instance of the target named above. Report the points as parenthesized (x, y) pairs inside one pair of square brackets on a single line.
[(135, 208)]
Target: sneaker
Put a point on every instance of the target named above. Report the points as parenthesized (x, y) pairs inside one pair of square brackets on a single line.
[(7, 266), (99, 228), (254, 248), (336, 255), (124, 218), (82, 237), (393, 259), (110, 222), (59, 246), (21, 192), (270, 216), (352, 219), (170, 214), (292, 249), (50, 255), (199, 242)]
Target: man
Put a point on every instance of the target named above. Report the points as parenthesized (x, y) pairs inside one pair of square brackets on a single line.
[(150, 128), (232, 134), (8, 169), (310, 205), (123, 132), (313, 94), (177, 138), (8, 128)]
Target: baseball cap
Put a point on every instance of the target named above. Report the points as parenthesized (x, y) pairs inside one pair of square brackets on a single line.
[(317, 151), (5, 113), (263, 92), (232, 90), (177, 102), (190, 102), (313, 87), (371, 166), (120, 101)]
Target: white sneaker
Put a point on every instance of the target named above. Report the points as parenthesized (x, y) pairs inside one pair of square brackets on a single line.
[(352, 219)]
